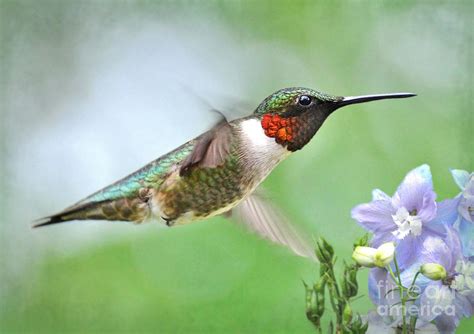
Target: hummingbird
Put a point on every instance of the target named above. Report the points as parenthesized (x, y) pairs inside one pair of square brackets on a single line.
[(218, 172)]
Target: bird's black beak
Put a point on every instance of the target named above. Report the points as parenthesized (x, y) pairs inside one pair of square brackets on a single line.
[(345, 101)]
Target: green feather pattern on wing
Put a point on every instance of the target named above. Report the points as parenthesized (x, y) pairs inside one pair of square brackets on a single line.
[(150, 176)]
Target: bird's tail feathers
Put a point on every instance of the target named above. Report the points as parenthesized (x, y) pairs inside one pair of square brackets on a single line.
[(125, 209), (77, 212)]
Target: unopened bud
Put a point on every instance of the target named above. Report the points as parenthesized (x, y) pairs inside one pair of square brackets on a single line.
[(364, 256), (315, 302), (349, 281), (371, 257), (319, 290), (433, 271), (384, 254), (309, 297), (324, 251), (320, 285), (347, 314)]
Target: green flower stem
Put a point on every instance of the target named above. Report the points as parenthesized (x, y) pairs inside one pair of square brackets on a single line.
[(402, 294), (412, 285), (393, 275), (340, 293), (334, 301), (413, 323)]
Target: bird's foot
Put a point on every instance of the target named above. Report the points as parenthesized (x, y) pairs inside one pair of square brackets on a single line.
[(168, 221)]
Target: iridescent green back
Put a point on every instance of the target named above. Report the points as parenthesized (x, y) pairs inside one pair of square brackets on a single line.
[(150, 176)]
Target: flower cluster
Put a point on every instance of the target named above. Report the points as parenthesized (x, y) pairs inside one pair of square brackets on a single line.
[(432, 272)]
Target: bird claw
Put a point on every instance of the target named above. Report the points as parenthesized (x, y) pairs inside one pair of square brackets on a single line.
[(168, 221)]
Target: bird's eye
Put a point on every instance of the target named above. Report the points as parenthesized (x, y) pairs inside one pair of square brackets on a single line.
[(304, 100)]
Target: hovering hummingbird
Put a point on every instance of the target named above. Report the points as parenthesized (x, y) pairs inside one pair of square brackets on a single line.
[(219, 171)]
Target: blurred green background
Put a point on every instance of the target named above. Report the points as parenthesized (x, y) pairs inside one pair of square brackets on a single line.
[(92, 90)]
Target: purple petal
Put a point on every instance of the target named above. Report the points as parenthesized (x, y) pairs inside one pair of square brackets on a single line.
[(466, 209), (408, 275), (470, 300), (466, 206), (381, 238), (430, 300), (384, 293), (427, 211), (378, 194), (408, 250), (380, 286), (429, 248), (446, 323), (416, 192), (463, 305), (375, 216), (466, 234), (461, 177), (447, 212), (469, 189), (453, 242), (436, 250), (426, 327)]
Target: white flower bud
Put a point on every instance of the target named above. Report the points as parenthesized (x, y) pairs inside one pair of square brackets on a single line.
[(433, 271), (384, 254), (364, 256)]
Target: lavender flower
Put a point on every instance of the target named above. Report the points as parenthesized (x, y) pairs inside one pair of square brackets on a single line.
[(446, 301), (443, 301), (435, 237), (406, 218)]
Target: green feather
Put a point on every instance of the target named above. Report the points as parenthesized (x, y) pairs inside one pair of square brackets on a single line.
[(150, 176)]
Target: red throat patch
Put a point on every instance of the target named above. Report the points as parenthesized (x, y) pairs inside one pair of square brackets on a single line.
[(278, 127)]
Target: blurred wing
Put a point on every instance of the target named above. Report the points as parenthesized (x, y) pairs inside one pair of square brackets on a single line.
[(260, 216), (211, 149)]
